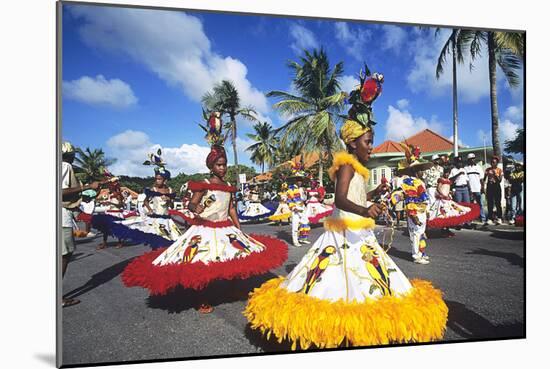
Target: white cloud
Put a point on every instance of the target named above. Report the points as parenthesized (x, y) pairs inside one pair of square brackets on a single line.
[(303, 38), (100, 91), (403, 104), (173, 45), (425, 49), (348, 83), (131, 149), (401, 124), (393, 38), (514, 113), (508, 130), (354, 41)]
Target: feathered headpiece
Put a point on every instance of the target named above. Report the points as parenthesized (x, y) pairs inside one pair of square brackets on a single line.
[(155, 159), (361, 99), (297, 170), (412, 161), (214, 136), (112, 182)]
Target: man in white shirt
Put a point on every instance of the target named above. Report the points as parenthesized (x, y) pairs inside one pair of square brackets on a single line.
[(460, 180), (70, 194), (475, 177)]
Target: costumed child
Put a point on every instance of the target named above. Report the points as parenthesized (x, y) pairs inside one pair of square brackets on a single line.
[(444, 212), (315, 209), (283, 212), (296, 198), (154, 226), (254, 208), (415, 199), (213, 248), (346, 291)]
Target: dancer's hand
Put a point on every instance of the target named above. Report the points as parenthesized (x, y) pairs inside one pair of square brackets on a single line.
[(375, 210), (199, 209)]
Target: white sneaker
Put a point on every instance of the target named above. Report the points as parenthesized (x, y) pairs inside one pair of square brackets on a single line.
[(499, 221), (425, 257), (91, 234), (421, 260), (297, 244), (307, 242), (489, 222), (511, 222)]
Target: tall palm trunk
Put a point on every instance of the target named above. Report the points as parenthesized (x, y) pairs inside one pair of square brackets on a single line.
[(455, 98), (493, 90), (320, 169), (234, 143)]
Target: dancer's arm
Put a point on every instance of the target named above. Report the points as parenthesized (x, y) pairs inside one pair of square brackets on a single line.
[(233, 214), (344, 176), (194, 203)]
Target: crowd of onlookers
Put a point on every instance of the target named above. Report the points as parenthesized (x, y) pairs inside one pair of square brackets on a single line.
[(483, 185)]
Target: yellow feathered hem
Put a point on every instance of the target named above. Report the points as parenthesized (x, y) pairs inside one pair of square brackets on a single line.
[(342, 224), (419, 316), (344, 158), (278, 217)]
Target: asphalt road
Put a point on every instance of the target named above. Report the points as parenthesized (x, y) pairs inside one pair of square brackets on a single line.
[(481, 274)]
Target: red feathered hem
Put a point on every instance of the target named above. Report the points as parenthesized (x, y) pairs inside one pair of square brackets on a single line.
[(200, 221), (315, 219), (456, 221), (160, 280), (203, 186)]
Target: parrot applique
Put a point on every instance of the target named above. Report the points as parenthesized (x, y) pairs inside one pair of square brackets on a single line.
[(376, 270), (318, 267), (372, 88), (164, 232), (192, 249), (239, 245)]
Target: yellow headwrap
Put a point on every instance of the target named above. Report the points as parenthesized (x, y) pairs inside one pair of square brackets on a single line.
[(351, 130)]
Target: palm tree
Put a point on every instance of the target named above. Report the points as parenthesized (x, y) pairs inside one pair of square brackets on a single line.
[(90, 164), (315, 107), (507, 50), (454, 46), (224, 98), (263, 151)]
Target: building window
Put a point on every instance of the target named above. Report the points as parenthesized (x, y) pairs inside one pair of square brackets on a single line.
[(383, 174), (375, 177)]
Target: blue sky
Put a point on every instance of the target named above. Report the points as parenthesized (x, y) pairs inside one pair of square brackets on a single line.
[(132, 79)]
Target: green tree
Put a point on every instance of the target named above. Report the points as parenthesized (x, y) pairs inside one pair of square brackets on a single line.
[(516, 145), (232, 173), (507, 50), (89, 164), (263, 151), (315, 108), (224, 98)]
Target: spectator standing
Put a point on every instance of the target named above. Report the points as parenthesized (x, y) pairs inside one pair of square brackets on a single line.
[(516, 191), (71, 190), (475, 179), (431, 176), (493, 177), (460, 179)]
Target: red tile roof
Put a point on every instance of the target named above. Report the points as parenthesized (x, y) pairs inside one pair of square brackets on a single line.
[(427, 140)]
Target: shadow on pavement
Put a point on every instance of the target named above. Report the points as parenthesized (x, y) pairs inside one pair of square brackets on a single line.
[(512, 258), (393, 252), (98, 279), (469, 324), (508, 235), (79, 256), (256, 338), (217, 293), (284, 235), (290, 267)]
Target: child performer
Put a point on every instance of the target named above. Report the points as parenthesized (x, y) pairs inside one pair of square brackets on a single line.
[(296, 198), (346, 290), (315, 209), (416, 200), (283, 212), (213, 248)]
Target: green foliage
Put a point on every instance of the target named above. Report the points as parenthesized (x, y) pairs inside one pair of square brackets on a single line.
[(89, 164), (263, 151), (232, 173), (516, 145)]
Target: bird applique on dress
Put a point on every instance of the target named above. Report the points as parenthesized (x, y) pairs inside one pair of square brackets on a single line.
[(376, 270), (318, 267), (239, 245), (191, 250)]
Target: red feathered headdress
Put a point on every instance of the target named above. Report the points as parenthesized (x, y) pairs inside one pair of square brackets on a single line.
[(216, 152)]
